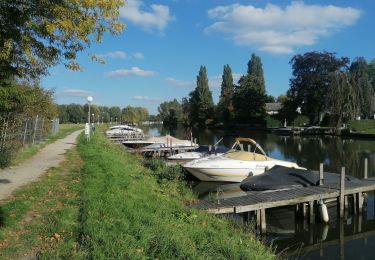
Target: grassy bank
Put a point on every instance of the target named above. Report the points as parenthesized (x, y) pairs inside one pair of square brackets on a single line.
[(27, 152), (103, 204), (366, 126), (41, 219)]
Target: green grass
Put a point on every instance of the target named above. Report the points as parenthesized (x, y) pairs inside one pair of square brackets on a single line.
[(128, 214), (103, 204), (42, 216), (27, 152), (362, 126)]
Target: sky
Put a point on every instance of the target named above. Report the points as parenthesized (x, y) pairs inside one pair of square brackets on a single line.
[(158, 55)]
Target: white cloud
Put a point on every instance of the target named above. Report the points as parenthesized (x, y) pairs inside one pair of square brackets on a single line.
[(280, 30), (180, 83), (138, 55), (157, 17), (148, 99), (74, 92), (115, 55), (134, 71)]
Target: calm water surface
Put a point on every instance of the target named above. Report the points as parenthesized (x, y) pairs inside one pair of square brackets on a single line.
[(353, 238)]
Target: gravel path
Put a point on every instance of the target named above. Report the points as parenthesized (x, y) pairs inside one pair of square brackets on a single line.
[(30, 170)]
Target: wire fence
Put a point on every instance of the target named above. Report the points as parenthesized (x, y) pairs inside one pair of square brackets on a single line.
[(19, 130)]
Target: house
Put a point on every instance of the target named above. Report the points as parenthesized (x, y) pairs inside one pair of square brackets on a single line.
[(273, 108)]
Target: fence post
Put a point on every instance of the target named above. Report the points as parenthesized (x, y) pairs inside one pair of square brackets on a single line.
[(24, 133), (36, 122), (41, 131)]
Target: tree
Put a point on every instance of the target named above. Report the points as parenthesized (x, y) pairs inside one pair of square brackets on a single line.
[(270, 99), (255, 68), (342, 98), (63, 115), (171, 113), (35, 35), (310, 83), (202, 106), (371, 73), (249, 100), (135, 114), (225, 106), (114, 114), (362, 87), (76, 113)]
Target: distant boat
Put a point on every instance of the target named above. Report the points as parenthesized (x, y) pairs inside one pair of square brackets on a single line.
[(122, 130), (236, 164), (159, 142)]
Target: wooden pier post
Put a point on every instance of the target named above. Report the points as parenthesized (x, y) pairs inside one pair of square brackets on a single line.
[(321, 177), (366, 168), (258, 220), (360, 202), (263, 221), (311, 209), (342, 192)]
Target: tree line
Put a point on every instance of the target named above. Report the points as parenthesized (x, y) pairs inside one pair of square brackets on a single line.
[(76, 113), (324, 90), (242, 102)]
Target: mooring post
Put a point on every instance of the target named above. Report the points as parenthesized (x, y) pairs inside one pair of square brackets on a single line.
[(258, 220), (366, 168), (360, 202), (342, 192), (321, 177), (263, 221), (311, 208), (354, 203)]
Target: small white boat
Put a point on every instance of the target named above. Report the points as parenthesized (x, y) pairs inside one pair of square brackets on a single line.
[(159, 142), (236, 164)]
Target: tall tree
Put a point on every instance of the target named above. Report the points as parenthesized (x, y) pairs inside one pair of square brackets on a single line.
[(114, 114), (249, 100), (171, 113), (255, 68), (341, 98), (371, 73), (225, 106), (363, 89), (310, 82), (35, 35), (202, 106)]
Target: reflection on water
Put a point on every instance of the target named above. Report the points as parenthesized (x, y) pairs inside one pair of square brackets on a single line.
[(294, 237)]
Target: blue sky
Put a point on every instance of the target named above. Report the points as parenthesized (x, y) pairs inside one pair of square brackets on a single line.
[(158, 55)]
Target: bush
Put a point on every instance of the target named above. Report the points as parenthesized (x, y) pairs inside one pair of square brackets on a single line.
[(163, 172), (5, 158), (272, 122), (300, 120)]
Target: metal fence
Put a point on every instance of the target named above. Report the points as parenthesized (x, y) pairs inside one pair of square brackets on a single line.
[(19, 130)]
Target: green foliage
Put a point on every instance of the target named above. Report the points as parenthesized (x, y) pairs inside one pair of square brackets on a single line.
[(272, 122), (225, 108), (362, 87), (249, 101), (342, 99), (76, 114), (300, 120), (170, 112), (201, 104), (162, 172), (135, 114), (127, 214), (310, 83), (36, 35), (371, 73), (255, 68)]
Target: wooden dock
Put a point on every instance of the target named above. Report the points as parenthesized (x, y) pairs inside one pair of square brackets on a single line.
[(305, 199)]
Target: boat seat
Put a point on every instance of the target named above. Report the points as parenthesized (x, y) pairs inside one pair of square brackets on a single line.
[(246, 156)]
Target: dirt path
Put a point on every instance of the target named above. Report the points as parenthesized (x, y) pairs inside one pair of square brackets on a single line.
[(50, 156)]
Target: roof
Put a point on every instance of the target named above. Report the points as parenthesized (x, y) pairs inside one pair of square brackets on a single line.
[(274, 106)]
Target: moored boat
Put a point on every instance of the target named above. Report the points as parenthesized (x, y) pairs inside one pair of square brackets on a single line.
[(245, 158)]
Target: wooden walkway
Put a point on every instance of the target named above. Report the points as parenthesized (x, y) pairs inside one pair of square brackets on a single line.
[(304, 198), (256, 200)]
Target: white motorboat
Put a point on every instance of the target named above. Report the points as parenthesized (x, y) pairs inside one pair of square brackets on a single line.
[(159, 142), (121, 130), (236, 164), (200, 152)]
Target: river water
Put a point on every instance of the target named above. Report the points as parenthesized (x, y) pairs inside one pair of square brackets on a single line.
[(291, 236)]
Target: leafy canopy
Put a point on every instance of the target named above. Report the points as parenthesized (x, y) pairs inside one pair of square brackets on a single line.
[(37, 34)]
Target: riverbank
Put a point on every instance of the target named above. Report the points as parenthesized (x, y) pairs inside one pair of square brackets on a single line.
[(123, 210)]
